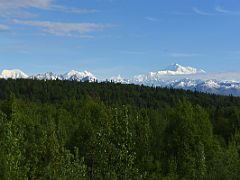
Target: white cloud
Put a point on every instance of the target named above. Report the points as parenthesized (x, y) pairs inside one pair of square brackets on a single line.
[(200, 12), (133, 52), (10, 9), (16, 4), (64, 29), (4, 27), (152, 19), (218, 11), (225, 11), (183, 55), (18, 8), (72, 9)]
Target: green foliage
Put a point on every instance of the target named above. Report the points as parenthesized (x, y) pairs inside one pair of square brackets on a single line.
[(72, 130)]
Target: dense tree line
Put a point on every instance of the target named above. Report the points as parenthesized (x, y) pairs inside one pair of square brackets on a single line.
[(73, 130)]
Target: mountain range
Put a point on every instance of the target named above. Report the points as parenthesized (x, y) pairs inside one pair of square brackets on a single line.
[(71, 75), (174, 76)]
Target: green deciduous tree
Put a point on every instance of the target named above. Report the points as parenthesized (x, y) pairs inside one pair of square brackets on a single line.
[(186, 141)]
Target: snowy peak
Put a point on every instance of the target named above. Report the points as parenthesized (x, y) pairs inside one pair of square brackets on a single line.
[(46, 76), (174, 76), (79, 76), (176, 69), (13, 74), (119, 79), (172, 70), (72, 75)]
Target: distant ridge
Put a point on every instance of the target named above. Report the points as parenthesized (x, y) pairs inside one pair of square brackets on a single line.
[(79, 76), (172, 70), (13, 74), (176, 69), (174, 76), (72, 75), (45, 76)]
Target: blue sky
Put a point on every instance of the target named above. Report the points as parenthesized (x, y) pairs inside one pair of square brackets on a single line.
[(111, 37)]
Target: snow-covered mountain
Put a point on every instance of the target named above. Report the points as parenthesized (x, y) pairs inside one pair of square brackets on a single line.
[(174, 76), (46, 76), (207, 86), (119, 79), (79, 76), (176, 69), (189, 78), (13, 74), (172, 70), (71, 75)]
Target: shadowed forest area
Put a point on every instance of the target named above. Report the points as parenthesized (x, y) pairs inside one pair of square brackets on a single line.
[(75, 130)]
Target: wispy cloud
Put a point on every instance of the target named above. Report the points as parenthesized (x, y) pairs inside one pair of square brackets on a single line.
[(176, 13), (201, 12), (225, 11), (72, 9), (152, 19), (218, 10), (25, 3), (183, 55), (133, 52), (19, 8), (4, 27), (64, 29)]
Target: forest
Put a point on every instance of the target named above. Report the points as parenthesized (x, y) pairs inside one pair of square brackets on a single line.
[(70, 130)]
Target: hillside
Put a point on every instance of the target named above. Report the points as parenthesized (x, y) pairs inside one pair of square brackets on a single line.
[(80, 130)]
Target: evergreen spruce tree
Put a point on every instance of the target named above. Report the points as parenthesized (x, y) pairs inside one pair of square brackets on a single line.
[(13, 143)]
